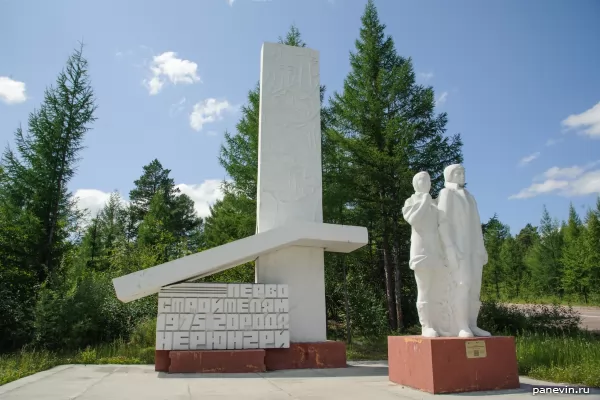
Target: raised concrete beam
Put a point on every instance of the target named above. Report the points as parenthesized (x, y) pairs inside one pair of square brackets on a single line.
[(329, 237)]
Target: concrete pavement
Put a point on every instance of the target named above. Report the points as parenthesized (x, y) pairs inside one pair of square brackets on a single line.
[(362, 380)]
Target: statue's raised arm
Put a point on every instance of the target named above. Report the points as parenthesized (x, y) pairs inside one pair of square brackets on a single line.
[(426, 255)]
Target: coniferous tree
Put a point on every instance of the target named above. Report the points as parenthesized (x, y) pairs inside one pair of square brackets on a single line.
[(591, 247), (36, 176), (179, 218), (544, 259), (495, 235), (573, 255), (387, 125)]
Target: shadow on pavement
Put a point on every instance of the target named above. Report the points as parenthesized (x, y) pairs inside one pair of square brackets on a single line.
[(351, 371)]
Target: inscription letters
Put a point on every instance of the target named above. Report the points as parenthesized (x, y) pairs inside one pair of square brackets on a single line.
[(217, 316)]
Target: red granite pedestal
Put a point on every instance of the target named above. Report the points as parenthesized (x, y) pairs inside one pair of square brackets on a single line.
[(451, 365), (328, 354)]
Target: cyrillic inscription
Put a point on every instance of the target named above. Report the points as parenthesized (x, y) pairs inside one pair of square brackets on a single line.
[(219, 316)]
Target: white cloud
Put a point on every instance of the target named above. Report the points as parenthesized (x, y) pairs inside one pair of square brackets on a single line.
[(527, 159), (588, 183), (540, 188), (564, 173), (91, 199), (176, 108), (207, 111), (204, 195), (552, 142), (11, 91), (425, 76), (167, 67), (230, 2), (569, 181), (588, 121), (442, 99)]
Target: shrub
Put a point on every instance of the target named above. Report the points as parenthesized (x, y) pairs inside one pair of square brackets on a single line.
[(541, 319), (144, 333), (83, 312)]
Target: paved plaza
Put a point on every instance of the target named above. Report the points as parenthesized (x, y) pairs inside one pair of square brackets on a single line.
[(360, 381)]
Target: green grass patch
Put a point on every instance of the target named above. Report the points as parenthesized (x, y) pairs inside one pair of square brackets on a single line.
[(28, 362), (573, 358), (567, 359)]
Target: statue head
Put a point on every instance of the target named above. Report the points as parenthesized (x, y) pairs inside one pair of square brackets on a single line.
[(455, 173), (422, 182)]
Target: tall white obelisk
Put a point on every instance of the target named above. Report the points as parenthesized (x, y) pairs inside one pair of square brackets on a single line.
[(290, 180)]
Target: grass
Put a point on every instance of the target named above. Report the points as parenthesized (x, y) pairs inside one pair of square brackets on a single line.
[(573, 358), (568, 359), (28, 362)]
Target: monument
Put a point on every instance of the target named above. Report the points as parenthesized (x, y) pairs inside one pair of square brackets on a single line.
[(278, 322), (447, 256)]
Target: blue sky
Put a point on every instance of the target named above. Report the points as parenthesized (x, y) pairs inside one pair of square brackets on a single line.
[(519, 80)]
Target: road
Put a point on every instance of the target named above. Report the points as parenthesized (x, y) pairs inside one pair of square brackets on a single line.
[(590, 316)]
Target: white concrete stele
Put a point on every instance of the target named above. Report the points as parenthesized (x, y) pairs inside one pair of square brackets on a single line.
[(222, 316), (291, 237)]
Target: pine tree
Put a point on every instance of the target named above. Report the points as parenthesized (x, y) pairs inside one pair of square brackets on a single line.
[(387, 125), (179, 217)]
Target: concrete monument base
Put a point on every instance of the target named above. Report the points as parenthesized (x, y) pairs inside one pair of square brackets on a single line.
[(451, 365), (207, 361), (329, 354)]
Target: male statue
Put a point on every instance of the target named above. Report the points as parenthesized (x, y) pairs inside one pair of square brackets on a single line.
[(462, 237), (426, 252)]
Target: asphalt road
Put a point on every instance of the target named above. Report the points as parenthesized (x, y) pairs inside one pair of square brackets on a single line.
[(590, 316)]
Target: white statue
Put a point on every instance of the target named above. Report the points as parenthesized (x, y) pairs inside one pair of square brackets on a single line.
[(462, 237), (426, 252)]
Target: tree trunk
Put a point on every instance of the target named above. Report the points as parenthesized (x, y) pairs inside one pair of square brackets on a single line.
[(390, 286)]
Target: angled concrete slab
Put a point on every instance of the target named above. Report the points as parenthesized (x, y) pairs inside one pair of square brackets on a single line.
[(329, 237)]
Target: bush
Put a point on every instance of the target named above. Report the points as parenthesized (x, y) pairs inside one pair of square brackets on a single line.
[(144, 333), (17, 290), (541, 319), (74, 315)]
